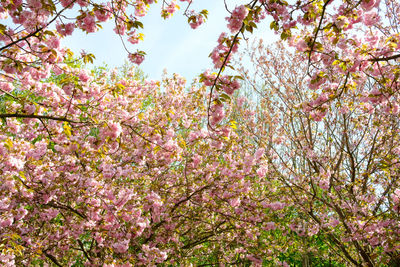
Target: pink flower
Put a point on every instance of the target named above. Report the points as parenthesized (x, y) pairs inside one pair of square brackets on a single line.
[(122, 246), (334, 223), (115, 130), (8, 87), (67, 3), (197, 159), (231, 86), (217, 115), (68, 88), (237, 17), (274, 206), (16, 163), (259, 153), (234, 202), (324, 184), (301, 45), (254, 260), (53, 42), (65, 29), (196, 20), (88, 23), (136, 58), (270, 226), (30, 109), (102, 14), (370, 18), (134, 38), (262, 171), (6, 222), (367, 5), (34, 4), (82, 3), (171, 8), (83, 76), (396, 196)]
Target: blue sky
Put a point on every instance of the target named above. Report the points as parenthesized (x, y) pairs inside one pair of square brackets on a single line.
[(170, 44)]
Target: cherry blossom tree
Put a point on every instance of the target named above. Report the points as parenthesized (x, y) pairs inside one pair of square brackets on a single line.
[(107, 169), (101, 168), (340, 169), (359, 39)]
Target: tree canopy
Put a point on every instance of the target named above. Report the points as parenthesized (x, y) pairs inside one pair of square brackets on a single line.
[(103, 167)]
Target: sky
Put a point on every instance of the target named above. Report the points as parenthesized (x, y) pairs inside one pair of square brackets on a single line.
[(170, 44)]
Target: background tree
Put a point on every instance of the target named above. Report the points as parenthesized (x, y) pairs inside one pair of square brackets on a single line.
[(335, 159)]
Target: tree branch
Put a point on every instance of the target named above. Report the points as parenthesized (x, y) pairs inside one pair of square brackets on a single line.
[(33, 116)]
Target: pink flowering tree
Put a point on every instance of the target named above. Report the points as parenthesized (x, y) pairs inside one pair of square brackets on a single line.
[(338, 171), (358, 39), (107, 169), (102, 169)]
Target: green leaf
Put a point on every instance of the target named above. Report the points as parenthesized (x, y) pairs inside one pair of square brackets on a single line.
[(120, 86), (249, 28), (224, 97), (204, 12), (274, 26)]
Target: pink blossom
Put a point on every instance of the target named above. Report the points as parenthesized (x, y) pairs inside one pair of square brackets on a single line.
[(236, 19), (6, 222), (83, 76), (301, 45), (230, 86), (270, 226), (88, 23), (30, 109), (334, 222), (134, 38), (367, 5), (67, 3), (7, 259), (234, 202), (122, 246), (172, 7), (68, 88), (53, 42), (259, 153), (82, 3), (115, 130), (262, 171), (254, 260), (396, 196), (7, 87), (65, 29), (34, 4), (16, 163), (197, 159), (370, 18), (324, 184), (102, 14), (136, 58), (196, 21), (276, 206), (217, 115)]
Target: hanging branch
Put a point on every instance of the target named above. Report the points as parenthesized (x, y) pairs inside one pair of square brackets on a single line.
[(222, 68)]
